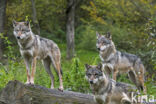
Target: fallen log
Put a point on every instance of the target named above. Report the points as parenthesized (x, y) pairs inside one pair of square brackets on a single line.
[(16, 92)]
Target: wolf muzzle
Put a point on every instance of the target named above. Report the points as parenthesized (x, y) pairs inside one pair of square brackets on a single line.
[(91, 82), (98, 49), (18, 37)]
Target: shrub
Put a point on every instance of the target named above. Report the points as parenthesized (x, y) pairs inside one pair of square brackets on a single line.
[(74, 79), (87, 38)]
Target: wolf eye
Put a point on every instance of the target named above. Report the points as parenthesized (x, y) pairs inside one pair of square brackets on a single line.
[(16, 30), (25, 31), (89, 74), (103, 42), (96, 74)]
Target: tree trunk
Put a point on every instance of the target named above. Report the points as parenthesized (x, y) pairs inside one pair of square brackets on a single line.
[(18, 93), (2, 19), (70, 13), (35, 21)]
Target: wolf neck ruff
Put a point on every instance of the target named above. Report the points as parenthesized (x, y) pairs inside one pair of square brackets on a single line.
[(103, 48), (27, 45), (107, 58), (108, 87)]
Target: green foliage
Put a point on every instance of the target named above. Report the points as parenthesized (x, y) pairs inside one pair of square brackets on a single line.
[(10, 50), (132, 24), (87, 38), (75, 77), (8, 67), (5, 76), (150, 88)]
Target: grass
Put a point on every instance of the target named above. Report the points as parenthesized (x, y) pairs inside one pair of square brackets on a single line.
[(73, 72), (16, 69)]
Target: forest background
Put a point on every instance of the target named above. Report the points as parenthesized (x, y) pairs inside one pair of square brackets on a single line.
[(72, 24)]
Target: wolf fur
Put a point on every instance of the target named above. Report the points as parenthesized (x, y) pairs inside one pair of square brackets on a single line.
[(106, 90), (33, 47), (116, 61)]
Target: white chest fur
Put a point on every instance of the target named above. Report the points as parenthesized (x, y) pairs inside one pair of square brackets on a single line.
[(27, 52), (100, 97), (111, 66), (101, 58), (108, 58)]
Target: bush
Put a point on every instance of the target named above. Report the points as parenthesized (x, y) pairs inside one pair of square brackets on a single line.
[(87, 38), (74, 79)]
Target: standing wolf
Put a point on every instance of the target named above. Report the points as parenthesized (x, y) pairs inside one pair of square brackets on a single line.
[(117, 61), (33, 47), (106, 90)]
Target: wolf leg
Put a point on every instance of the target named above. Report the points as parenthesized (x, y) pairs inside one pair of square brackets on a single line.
[(47, 63), (140, 71), (33, 70), (27, 63), (115, 72), (132, 76), (108, 71), (138, 79), (108, 99), (57, 65), (141, 83), (141, 78)]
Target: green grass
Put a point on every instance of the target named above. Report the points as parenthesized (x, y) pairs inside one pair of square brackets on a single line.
[(73, 72), (16, 70)]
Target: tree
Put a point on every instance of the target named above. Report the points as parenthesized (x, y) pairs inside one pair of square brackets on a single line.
[(70, 27), (70, 13), (35, 21), (2, 19)]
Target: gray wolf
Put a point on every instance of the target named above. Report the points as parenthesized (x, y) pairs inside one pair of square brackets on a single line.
[(115, 61), (106, 90), (33, 47)]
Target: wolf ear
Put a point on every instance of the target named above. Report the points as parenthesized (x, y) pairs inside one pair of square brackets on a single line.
[(27, 23), (14, 23), (108, 35), (97, 35), (99, 66), (87, 66)]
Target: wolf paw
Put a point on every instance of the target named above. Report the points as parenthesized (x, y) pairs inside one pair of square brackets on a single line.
[(60, 88), (27, 82), (32, 81), (52, 87)]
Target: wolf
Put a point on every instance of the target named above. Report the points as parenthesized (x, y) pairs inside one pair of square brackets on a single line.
[(115, 61), (106, 90), (33, 47)]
